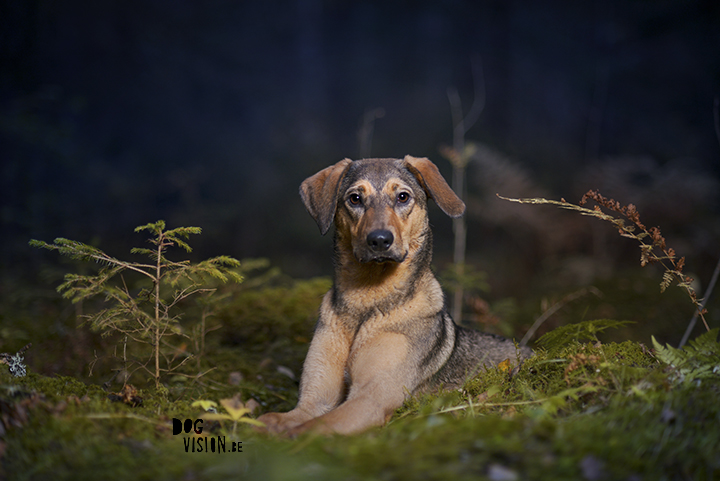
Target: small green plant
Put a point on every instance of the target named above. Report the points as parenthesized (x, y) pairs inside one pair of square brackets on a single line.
[(561, 336), (152, 315), (236, 412), (699, 360)]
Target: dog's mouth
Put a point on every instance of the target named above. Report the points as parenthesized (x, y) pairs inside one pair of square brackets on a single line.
[(373, 258)]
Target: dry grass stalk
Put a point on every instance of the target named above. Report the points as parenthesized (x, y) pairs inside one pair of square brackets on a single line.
[(653, 247)]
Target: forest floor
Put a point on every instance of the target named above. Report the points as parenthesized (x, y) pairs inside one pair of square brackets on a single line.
[(582, 408)]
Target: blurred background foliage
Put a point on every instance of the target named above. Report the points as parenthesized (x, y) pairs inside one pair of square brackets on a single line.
[(114, 114)]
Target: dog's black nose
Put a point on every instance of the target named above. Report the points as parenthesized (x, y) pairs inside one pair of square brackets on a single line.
[(380, 240)]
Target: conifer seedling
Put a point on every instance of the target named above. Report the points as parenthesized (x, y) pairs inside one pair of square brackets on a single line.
[(151, 315)]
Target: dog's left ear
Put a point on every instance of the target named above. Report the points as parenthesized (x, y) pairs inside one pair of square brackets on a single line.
[(429, 177), (319, 193)]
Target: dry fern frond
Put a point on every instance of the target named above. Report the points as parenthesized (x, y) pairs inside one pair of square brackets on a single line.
[(653, 248), (666, 281)]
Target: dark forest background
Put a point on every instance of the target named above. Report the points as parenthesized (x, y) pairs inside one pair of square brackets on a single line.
[(114, 114)]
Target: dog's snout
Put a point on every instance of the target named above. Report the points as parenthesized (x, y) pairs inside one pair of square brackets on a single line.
[(380, 240)]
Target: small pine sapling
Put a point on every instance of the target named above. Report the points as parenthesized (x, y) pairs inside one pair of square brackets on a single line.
[(152, 315)]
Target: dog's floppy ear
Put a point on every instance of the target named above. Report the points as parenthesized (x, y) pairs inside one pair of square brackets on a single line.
[(319, 193), (429, 177)]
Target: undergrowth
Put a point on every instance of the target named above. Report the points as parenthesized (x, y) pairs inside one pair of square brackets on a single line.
[(579, 409), (150, 315), (691, 364)]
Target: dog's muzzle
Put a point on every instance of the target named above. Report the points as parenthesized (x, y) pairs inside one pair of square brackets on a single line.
[(379, 247)]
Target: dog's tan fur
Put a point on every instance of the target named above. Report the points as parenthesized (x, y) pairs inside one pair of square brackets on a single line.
[(383, 332)]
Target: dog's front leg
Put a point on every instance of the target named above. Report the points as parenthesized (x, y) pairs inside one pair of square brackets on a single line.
[(322, 384), (381, 379)]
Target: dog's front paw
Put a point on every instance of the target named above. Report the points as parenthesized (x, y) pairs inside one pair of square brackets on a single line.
[(273, 422), (281, 423)]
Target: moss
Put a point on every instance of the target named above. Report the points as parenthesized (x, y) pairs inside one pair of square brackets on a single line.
[(259, 319), (629, 437), (631, 423), (577, 410)]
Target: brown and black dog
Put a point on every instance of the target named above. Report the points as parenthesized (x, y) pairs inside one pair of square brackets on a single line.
[(383, 332)]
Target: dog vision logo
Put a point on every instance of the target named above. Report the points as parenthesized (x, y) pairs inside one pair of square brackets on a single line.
[(196, 443)]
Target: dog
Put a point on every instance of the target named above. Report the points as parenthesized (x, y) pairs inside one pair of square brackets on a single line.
[(383, 332)]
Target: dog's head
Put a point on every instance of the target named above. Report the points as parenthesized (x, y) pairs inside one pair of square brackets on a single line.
[(379, 205)]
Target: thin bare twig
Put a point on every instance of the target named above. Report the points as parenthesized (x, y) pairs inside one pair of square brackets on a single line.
[(458, 158), (713, 280), (706, 296), (366, 129), (554, 308)]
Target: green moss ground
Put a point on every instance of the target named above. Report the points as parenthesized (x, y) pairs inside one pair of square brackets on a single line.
[(615, 417), (577, 410)]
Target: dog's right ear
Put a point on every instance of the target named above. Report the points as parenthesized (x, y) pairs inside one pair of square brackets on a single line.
[(319, 193)]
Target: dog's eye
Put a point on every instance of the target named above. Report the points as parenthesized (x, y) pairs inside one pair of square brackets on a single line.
[(403, 197), (355, 199)]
